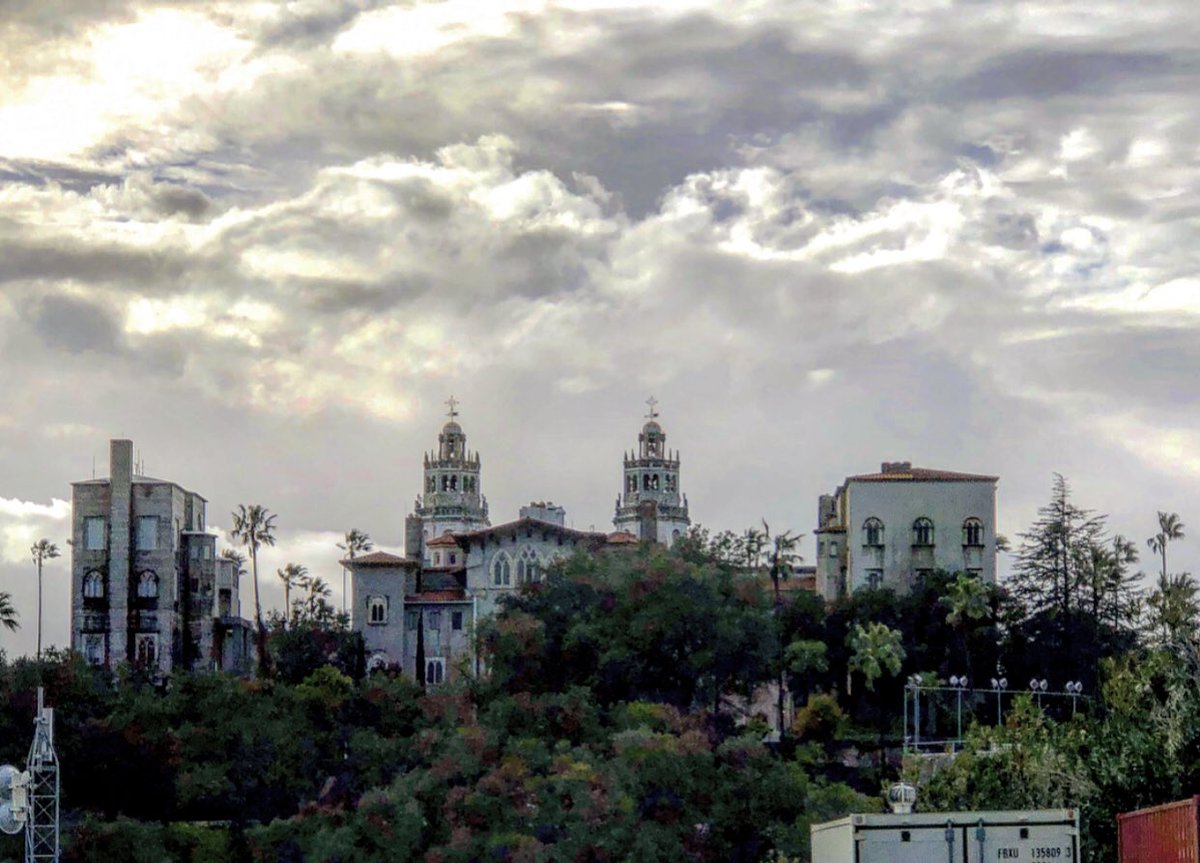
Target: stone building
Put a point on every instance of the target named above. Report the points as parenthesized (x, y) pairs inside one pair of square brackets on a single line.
[(147, 587), (420, 611), (891, 528), (650, 505)]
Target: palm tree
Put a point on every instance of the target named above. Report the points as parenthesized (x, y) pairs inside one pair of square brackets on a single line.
[(254, 526), (783, 558), (292, 575), (1169, 528), (966, 600), (8, 614), (355, 541), (41, 550), (316, 591), (752, 542), (1175, 606), (876, 649)]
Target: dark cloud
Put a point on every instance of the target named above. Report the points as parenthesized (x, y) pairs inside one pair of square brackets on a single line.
[(74, 325), (171, 200), (1039, 73)]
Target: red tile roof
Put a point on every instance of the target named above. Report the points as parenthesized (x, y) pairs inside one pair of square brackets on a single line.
[(921, 474), (622, 537), (437, 596), (445, 539), (380, 558)]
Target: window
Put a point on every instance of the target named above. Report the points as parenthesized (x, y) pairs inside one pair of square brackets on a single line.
[(874, 579), (456, 620), (435, 671), (430, 484), (377, 608), (922, 532), (147, 532), (502, 570), (873, 533), (437, 558), (433, 620), (410, 620), (93, 586), (93, 648), (378, 661), (453, 558), (833, 548), (147, 587), (93, 533), (146, 646), (973, 532), (528, 566)]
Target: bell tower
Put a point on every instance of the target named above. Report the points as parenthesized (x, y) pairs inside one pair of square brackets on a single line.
[(650, 505), (451, 499)]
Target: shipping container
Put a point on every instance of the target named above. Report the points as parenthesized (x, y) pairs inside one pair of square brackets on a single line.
[(1160, 834), (1033, 836)]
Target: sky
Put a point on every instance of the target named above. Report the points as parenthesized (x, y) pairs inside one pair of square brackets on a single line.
[(267, 240)]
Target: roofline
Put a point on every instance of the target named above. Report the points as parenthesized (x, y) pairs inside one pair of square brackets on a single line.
[(140, 480), (529, 522), (399, 561)]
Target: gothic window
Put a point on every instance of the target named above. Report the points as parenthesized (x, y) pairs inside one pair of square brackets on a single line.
[(632, 484), (147, 532), (454, 482), (874, 579), (93, 648), (377, 609), (93, 586), (147, 649), (528, 566), (430, 484), (93, 533), (873, 532), (922, 532), (445, 483), (147, 587), (502, 570), (435, 671), (456, 620), (973, 532), (645, 482), (654, 483), (670, 482)]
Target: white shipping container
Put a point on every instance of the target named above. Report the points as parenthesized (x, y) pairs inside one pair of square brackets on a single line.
[(1034, 836)]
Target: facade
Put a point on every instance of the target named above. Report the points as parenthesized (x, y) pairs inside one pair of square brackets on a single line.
[(147, 587), (651, 506), (419, 612), (891, 528)]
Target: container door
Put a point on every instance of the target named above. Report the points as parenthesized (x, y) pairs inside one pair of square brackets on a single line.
[(1032, 843), (916, 845)]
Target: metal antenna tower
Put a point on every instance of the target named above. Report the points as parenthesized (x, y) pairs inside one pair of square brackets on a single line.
[(41, 830)]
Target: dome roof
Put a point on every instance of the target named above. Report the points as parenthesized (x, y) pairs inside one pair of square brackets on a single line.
[(452, 428), (652, 428)]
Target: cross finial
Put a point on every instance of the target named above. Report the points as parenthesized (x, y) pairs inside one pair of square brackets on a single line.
[(653, 402), (453, 403)]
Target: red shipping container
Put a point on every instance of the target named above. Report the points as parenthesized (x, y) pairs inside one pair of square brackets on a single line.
[(1161, 834)]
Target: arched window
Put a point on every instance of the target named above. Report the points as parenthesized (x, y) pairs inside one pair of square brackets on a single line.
[(147, 585), (922, 531), (146, 648), (529, 568), (93, 585), (454, 482), (379, 660), (632, 484), (873, 532), (502, 570), (445, 483), (377, 608)]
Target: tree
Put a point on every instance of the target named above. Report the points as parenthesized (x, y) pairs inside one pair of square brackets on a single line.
[(292, 575), (355, 541), (8, 614), (41, 550), (968, 600), (1174, 606), (783, 558), (1170, 528), (254, 526), (1051, 572), (751, 544), (876, 649)]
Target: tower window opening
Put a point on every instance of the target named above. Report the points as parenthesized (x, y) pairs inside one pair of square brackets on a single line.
[(923, 532), (873, 532), (445, 483), (147, 585), (431, 485), (454, 483), (973, 532), (93, 586)]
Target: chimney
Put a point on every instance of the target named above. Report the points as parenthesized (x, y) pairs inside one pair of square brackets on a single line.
[(120, 516), (895, 466)]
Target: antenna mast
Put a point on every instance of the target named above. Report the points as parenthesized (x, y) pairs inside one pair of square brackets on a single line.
[(41, 830)]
